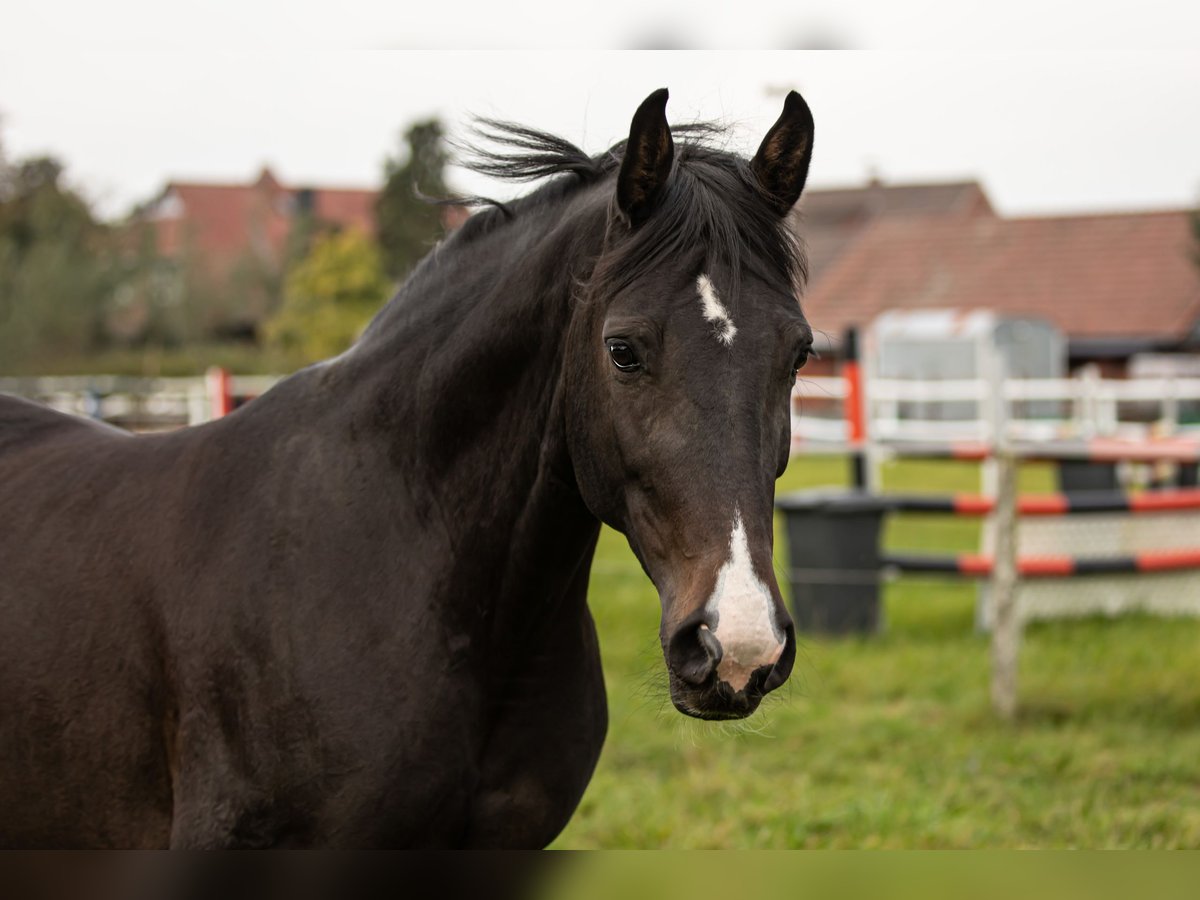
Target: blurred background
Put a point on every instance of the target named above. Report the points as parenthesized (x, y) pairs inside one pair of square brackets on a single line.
[(170, 202), (241, 186)]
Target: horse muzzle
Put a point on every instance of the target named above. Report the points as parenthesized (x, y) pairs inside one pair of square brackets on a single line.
[(711, 681)]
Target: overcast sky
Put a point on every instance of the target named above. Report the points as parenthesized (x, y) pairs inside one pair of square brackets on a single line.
[(134, 93)]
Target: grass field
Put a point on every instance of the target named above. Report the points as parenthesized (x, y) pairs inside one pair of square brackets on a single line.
[(889, 741)]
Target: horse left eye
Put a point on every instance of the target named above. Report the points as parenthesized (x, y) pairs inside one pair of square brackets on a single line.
[(800, 361), (623, 356)]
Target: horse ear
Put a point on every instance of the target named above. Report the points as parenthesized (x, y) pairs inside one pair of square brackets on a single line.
[(648, 156), (781, 163)]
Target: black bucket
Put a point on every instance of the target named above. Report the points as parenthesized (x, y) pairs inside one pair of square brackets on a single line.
[(1080, 475), (834, 558)]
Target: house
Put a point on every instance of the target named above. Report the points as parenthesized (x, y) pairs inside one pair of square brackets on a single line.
[(830, 220), (225, 248), (1116, 285), (221, 225)]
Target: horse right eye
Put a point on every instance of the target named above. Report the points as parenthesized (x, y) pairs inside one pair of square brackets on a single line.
[(623, 356)]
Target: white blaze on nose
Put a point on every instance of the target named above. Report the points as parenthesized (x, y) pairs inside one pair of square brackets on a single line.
[(715, 311), (745, 622)]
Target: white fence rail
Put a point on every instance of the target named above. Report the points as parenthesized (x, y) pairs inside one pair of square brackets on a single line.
[(140, 404), (897, 409), (1020, 409)]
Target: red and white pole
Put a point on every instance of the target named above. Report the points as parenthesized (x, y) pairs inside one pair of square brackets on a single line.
[(220, 392), (854, 407)]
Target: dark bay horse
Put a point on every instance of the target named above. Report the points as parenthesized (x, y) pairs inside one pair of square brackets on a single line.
[(354, 612)]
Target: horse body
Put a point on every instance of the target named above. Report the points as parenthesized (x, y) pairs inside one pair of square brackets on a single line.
[(354, 612), (314, 662)]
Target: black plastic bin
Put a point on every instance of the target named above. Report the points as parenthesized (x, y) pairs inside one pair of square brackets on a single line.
[(1077, 475), (834, 567)]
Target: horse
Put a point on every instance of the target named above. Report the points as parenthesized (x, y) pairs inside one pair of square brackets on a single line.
[(353, 613)]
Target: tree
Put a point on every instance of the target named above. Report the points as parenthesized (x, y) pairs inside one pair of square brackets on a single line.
[(408, 225), (56, 265), (330, 296)]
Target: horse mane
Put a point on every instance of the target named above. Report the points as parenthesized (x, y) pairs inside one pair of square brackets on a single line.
[(711, 200)]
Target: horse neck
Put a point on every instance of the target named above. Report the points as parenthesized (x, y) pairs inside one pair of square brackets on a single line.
[(463, 377)]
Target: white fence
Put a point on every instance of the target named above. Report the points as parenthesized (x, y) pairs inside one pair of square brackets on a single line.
[(897, 409), (978, 410), (139, 404)]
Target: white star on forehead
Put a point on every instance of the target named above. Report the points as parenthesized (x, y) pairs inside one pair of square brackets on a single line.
[(715, 311)]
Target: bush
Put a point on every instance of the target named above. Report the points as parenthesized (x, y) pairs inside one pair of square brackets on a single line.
[(330, 296)]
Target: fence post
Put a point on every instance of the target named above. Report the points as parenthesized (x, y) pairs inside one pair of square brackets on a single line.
[(1089, 424), (1006, 622), (93, 404), (198, 406), (994, 410), (1170, 408), (220, 396), (854, 408)]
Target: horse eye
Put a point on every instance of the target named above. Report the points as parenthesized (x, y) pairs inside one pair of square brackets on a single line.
[(623, 356), (800, 361)]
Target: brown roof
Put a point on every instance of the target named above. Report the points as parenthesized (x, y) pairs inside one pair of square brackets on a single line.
[(830, 219), (222, 222), (1102, 276), (348, 208)]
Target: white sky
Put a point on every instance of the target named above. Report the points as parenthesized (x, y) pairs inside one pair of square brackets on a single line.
[(134, 92)]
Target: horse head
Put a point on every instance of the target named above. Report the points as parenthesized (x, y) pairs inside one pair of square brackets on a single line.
[(681, 367)]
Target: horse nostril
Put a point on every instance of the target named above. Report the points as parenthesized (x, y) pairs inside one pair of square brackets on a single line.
[(694, 653), (711, 645), (783, 666)]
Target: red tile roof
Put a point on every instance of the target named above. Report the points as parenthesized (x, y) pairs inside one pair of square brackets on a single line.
[(1101, 276), (220, 223), (348, 208), (830, 219)]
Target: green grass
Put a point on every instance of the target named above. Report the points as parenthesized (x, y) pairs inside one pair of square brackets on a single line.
[(889, 741)]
